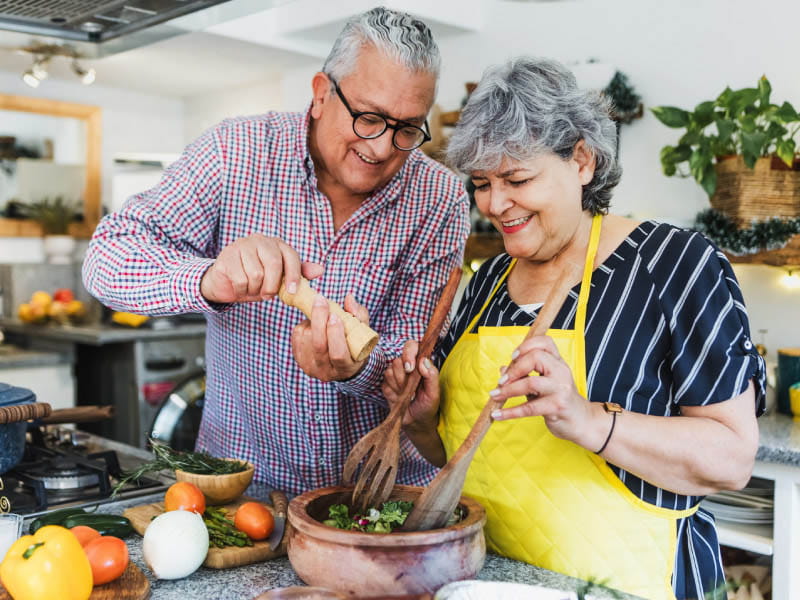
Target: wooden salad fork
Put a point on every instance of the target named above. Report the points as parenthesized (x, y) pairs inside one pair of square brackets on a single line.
[(381, 446), (437, 502)]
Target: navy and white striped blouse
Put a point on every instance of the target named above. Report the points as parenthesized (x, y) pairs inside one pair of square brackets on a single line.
[(666, 326)]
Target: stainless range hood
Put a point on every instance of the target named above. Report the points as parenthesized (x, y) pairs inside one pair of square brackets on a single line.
[(96, 28)]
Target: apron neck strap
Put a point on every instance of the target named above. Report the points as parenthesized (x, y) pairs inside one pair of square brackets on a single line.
[(586, 281)]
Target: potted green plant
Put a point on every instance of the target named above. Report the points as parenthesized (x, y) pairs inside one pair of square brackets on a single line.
[(54, 216), (741, 149)]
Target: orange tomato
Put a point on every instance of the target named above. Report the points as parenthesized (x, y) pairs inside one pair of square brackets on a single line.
[(254, 519), (85, 534), (185, 496), (108, 557)]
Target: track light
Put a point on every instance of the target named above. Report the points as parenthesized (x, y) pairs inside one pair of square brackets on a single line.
[(39, 68), (29, 78), (44, 53), (87, 76)]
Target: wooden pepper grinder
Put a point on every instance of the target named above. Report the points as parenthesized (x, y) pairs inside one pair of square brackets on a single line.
[(361, 338)]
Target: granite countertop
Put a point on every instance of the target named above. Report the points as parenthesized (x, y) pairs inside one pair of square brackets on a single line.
[(779, 439), (98, 334), (247, 582), (14, 357)]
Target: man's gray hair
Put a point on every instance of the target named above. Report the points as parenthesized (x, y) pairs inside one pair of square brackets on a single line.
[(397, 34), (528, 107)]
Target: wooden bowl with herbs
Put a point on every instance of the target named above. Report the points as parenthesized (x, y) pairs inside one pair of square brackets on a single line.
[(221, 488), (222, 480), (381, 560)]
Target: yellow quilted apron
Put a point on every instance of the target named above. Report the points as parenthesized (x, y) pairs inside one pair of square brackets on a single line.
[(550, 502)]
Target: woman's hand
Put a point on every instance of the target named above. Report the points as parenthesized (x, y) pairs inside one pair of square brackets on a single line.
[(552, 394), (423, 411)]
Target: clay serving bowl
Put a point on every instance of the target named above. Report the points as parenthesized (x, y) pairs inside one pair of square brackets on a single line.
[(380, 564), (219, 489)]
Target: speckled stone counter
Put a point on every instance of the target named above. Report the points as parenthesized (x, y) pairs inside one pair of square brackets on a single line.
[(779, 440), (247, 582)]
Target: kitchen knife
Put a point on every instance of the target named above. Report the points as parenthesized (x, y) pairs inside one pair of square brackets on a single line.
[(279, 504)]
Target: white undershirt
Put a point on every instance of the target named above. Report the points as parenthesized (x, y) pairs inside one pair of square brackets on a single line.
[(531, 308)]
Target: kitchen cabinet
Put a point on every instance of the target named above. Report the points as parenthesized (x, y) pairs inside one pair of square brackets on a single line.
[(48, 374), (778, 459)]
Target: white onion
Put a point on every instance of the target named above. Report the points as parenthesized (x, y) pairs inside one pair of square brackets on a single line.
[(175, 544)]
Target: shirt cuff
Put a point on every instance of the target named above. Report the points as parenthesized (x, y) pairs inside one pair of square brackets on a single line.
[(368, 380), (185, 285)]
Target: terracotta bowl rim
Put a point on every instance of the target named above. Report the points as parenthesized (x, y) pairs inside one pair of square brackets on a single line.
[(306, 524), (250, 469)]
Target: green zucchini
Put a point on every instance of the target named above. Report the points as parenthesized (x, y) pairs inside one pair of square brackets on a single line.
[(54, 518), (115, 525)]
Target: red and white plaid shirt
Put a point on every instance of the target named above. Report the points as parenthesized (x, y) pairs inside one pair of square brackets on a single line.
[(255, 175)]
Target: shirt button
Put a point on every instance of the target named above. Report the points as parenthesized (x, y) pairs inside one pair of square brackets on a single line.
[(318, 417), (322, 462), (747, 344)]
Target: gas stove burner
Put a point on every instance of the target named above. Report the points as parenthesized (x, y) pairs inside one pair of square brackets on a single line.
[(72, 481)]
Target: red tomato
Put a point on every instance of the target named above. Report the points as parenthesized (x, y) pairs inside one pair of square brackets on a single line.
[(185, 496), (254, 519), (63, 295), (85, 534), (108, 557)]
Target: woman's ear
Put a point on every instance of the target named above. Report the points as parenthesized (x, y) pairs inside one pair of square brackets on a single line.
[(320, 88), (585, 160)]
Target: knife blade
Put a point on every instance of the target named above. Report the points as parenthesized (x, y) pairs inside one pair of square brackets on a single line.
[(279, 504)]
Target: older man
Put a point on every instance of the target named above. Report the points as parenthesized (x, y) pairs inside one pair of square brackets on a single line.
[(339, 193)]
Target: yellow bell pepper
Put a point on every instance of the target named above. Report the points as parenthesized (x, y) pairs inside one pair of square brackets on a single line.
[(48, 564)]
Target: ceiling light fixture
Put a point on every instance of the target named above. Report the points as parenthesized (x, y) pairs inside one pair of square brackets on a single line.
[(44, 53), (86, 76)]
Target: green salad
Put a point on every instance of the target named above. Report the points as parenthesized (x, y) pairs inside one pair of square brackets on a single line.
[(391, 515)]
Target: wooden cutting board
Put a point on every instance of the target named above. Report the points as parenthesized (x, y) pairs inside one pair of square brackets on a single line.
[(218, 558), (131, 585)]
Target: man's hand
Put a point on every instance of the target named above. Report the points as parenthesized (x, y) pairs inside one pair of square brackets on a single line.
[(252, 269), (319, 344)]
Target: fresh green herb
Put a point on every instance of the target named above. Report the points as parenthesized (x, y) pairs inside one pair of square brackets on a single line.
[(391, 516), (192, 462), (221, 531)]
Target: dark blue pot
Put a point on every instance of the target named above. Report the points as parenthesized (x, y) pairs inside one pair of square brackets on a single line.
[(12, 435)]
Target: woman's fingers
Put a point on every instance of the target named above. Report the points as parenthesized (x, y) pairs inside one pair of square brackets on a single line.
[(537, 357)]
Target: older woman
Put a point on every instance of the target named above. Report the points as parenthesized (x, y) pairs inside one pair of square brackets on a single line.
[(649, 385)]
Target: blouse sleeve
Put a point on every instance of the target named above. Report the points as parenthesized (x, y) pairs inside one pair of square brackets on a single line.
[(712, 357)]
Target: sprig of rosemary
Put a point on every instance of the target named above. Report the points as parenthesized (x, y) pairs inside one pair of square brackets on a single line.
[(199, 463)]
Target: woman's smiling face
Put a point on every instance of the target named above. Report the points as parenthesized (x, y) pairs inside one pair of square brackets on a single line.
[(536, 203)]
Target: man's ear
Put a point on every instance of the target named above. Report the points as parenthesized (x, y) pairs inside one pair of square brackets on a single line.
[(586, 161), (321, 90)]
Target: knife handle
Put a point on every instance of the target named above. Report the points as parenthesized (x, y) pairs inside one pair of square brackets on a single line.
[(279, 502)]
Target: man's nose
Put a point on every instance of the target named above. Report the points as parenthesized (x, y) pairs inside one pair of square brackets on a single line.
[(381, 146)]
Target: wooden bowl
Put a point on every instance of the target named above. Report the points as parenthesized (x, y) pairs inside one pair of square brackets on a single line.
[(219, 489), (381, 564)]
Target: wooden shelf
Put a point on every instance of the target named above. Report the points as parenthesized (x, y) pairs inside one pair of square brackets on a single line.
[(483, 245), (788, 256)]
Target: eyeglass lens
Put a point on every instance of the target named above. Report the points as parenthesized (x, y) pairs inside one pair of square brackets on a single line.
[(371, 126)]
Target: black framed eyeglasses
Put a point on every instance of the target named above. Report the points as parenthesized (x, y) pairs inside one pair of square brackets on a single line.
[(371, 125)]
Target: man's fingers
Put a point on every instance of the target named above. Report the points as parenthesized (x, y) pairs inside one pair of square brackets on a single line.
[(252, 269), (311, 270), (409, 356), (338, 351), (355, 309), (272, 266), (291, 267)]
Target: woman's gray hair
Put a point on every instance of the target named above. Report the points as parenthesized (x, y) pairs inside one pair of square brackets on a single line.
[(398, 35), (528, 107)]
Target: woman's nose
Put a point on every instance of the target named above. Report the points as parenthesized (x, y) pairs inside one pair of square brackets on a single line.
[(499, 201)]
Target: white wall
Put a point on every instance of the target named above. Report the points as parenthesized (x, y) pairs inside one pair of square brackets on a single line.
[(202, 112), (132, 122), (680, 53)]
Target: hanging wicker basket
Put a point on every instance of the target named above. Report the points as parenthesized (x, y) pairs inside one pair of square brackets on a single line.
[(770, 189)]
